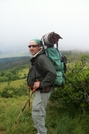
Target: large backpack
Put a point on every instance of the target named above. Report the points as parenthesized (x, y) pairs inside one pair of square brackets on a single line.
[(49, 40)]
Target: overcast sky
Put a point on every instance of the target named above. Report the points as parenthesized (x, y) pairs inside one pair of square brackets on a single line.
[(23, 20)]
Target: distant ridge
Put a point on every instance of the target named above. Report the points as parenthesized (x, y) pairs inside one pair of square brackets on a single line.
[(13, 54), (7, 63)]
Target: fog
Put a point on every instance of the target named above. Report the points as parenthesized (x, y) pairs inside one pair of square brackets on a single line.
[(22, 20)]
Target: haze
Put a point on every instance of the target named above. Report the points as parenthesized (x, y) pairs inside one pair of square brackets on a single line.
[(22, 20)]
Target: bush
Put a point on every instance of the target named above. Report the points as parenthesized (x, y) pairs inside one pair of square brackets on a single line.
[(74, 97), (9, 91)]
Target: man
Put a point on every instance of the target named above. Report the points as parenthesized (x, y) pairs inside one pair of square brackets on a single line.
[(40, 77)]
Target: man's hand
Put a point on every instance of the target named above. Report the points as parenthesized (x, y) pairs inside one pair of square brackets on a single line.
[(36, 84)]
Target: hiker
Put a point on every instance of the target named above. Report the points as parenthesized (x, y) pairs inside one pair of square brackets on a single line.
[(41, 80)]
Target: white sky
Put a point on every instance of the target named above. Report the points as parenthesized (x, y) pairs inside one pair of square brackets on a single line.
[(22, 20)]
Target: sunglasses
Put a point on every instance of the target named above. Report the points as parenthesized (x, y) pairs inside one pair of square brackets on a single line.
[(32, 46)]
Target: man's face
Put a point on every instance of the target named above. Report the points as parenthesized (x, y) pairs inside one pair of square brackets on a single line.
[(33, 47)]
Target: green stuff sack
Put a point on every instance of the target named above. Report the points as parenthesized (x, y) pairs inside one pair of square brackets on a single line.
[(56, 57)]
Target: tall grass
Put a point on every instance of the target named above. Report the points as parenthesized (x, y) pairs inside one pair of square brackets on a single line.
[(10, 109), (61, 123), (56, 122)]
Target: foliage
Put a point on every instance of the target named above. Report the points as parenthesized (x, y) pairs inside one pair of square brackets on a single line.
[(56, 122), (62, 123), (74, 98), (13, 74), (68, 109), (10, 109), (11, 62), (9, 91)]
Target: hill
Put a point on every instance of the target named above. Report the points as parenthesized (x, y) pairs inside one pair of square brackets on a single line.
[(7, 63), (7, 54), (10, 62)]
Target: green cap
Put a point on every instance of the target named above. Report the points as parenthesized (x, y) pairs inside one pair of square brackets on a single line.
[(39, 42)]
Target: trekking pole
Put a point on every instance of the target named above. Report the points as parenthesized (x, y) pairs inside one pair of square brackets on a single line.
[(29, 95), (23, 108)]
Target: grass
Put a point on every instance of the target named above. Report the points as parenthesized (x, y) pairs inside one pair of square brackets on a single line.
[(57, 122), (10, 109), (23, 72), (15, 83)]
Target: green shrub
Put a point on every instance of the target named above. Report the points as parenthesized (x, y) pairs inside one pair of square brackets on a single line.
[(74, 98), (10, 91)]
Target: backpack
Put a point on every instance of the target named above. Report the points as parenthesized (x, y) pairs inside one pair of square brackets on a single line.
[(49, 40)]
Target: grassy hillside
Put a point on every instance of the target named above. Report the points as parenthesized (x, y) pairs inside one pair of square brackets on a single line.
[(59, 120), (15, 83), (7, 63), (57, 123), (21, 72)]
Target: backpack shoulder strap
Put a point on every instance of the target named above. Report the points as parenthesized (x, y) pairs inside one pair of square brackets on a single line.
[(39, 70)]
